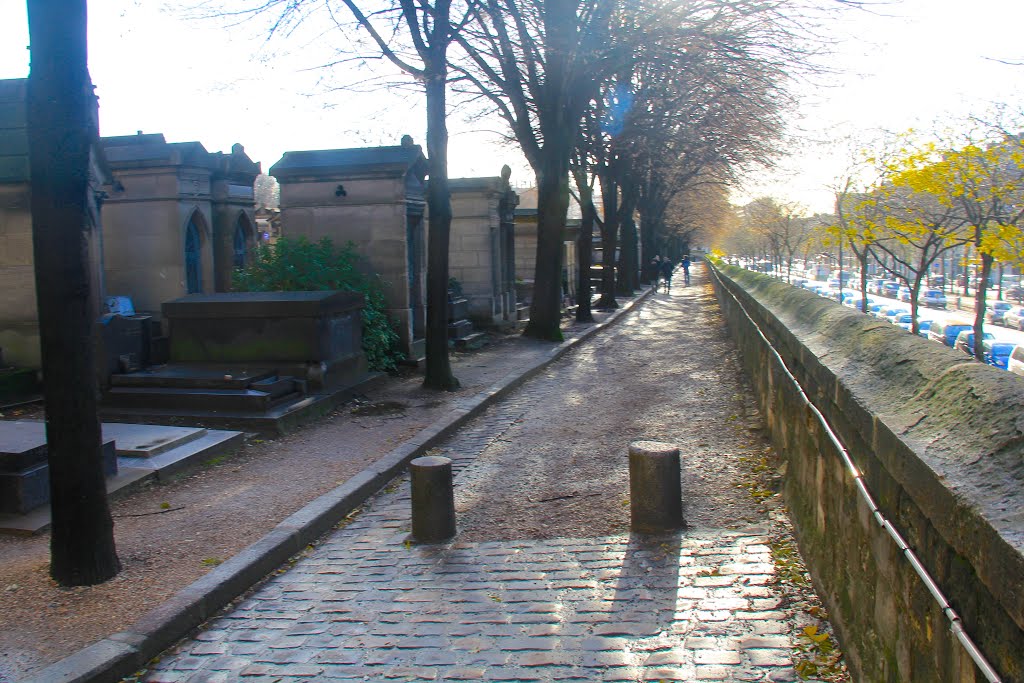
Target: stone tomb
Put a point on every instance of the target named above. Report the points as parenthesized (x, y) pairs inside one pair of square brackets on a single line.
[(374, 198), (247, 357), (482, 247), (132, 453)]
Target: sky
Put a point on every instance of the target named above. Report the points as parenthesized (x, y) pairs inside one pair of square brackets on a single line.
[(911, 64)]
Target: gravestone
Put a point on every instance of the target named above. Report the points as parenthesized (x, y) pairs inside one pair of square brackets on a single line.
[(24, 472)]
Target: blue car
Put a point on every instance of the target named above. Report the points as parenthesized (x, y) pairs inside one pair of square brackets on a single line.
[(997, 353), (922, 327)]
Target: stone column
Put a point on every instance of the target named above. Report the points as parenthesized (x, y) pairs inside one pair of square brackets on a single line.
[(655, 491), (433, 499)]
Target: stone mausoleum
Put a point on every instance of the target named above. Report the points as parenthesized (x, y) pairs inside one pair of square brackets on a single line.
[(482, 246), (373, 197), (181, 220)]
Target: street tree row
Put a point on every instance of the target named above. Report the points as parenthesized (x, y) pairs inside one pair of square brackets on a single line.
[(905, 204)]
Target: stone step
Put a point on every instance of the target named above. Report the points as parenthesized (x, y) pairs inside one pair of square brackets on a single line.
[(184, 376), (139, 441), (278, 386), (522, 311), (473, 341), (459, 329), (235, 400)]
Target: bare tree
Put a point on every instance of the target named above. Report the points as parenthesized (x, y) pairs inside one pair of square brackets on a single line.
[(539, 63), (62, 131)]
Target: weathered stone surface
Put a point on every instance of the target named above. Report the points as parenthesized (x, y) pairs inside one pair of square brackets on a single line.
[(938, 441)]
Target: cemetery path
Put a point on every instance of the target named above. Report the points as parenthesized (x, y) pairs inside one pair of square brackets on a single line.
[(544, 580), (171, 533)]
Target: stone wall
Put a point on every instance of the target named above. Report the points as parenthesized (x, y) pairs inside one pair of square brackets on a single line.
[(940, 442)]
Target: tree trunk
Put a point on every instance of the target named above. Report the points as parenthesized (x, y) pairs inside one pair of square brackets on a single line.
[(609, 240), (979, 304), (627, 281), (438, 372), (61, 130), (552, 207), (584, 248)]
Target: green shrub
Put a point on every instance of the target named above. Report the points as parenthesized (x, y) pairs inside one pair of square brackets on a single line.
[(290, 265)]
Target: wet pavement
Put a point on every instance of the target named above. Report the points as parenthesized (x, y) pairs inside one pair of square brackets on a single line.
[(545, 582)]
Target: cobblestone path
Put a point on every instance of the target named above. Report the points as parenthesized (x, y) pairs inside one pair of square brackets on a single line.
[(540, 586)]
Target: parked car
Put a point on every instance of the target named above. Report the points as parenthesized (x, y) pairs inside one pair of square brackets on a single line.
[(997, 353), (933, 298), (874, 308), (878, 286), (903, 294), (1015, 294), (965, 341), (1014, 318), (890, 288), (923, 326), (893, 312), (945, 331), (1016, 362), (996, 310), (854, 302), (904, 320), (936, 281)]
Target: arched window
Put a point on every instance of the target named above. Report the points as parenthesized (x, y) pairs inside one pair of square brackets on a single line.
[(240, 242), (193, 257)]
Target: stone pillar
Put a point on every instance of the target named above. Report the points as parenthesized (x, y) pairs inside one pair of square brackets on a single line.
[(433, 499), (655, 491)]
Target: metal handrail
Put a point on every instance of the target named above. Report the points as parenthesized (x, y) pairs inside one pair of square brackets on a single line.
[(955, 622)]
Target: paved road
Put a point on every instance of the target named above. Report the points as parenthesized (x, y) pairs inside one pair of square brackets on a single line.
[(539, 589)]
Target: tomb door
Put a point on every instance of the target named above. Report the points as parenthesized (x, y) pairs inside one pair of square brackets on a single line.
[(239, 244), (507, 230), (193, 258)]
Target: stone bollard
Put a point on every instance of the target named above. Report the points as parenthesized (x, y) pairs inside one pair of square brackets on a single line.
[(433, 499), (655, 491)]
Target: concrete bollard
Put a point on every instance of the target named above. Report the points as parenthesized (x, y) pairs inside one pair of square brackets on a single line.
[(655, 491), (433, 499)]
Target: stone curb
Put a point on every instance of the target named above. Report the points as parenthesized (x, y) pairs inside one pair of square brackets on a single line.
[(121, 654)]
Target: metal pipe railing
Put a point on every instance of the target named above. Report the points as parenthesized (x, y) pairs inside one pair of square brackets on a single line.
[(955, 622)]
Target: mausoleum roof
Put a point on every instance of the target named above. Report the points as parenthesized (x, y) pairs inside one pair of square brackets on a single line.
[(468, 184), (14, 166), (396, 161), (152, 149)]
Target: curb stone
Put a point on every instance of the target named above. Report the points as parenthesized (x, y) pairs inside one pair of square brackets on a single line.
[(121, 654)]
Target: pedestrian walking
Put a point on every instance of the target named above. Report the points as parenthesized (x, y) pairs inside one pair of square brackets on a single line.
[(656, 265), (666, 267)]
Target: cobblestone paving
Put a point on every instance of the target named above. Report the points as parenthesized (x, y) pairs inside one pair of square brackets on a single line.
[(366, 604)]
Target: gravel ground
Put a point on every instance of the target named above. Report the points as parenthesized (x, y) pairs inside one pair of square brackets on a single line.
[(568, 477), (665, 373)]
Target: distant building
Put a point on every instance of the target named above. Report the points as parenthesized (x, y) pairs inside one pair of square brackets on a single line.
[(482, 246)]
